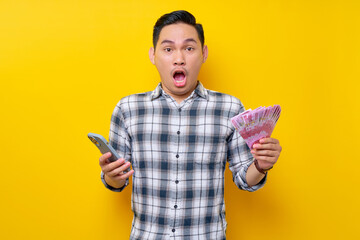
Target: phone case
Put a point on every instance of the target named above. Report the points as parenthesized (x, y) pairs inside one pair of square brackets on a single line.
[(104, 147)]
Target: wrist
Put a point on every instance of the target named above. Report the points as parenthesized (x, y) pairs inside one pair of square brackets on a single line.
[(260, 169)]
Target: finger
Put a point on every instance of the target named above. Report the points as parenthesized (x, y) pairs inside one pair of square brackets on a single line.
[(270, 153), (103, 158), (119, 171), (113, 165), (128, 174), (269, 146), (269, 140), (124, 167), (124, 176)]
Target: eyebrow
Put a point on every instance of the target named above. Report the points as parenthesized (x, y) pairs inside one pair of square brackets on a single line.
[(190, 40), (172, 42)]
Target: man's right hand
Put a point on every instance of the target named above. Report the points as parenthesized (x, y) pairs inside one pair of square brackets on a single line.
[(114, 171)]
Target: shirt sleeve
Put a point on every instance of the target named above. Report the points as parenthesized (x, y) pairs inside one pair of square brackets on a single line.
[(119, 139), (240, 158)]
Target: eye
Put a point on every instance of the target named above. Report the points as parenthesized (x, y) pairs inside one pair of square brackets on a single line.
[(167, 49), (189, 49)]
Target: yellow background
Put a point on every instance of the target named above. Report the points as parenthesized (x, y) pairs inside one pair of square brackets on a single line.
[(65, 64)]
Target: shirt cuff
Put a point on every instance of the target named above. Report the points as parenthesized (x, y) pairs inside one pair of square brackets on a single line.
[(112, 188), (245, 184)]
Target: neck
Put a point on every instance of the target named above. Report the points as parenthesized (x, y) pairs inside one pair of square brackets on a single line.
[(178, 97)]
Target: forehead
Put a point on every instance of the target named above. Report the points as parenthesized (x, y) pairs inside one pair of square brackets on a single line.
[(178, 32)]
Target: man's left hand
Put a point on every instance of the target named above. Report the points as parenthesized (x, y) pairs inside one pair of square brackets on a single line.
[(266, 152)]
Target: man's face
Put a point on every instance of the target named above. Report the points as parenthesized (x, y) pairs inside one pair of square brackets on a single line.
[(178, 58)]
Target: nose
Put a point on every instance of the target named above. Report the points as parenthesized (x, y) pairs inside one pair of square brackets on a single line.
[(179, 59)]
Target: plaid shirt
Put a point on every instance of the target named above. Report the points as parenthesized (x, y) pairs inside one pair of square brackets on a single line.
[(178, 153)]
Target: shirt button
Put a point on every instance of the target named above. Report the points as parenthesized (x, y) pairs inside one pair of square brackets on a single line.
[(177, 155), (175, 206), (176, 181), (173, 230), (178, 132)]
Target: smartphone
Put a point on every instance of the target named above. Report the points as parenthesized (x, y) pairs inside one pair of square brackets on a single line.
[(104, 147)]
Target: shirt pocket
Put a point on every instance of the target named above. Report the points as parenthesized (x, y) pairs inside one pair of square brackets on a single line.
[(208, 158), (209, 165)]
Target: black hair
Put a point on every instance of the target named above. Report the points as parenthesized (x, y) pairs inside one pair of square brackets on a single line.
[(181, 16)]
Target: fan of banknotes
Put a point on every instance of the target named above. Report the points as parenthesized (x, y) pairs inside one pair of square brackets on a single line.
[(254, 125)]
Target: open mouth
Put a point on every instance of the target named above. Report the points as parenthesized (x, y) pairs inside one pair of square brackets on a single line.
[(179, 78)]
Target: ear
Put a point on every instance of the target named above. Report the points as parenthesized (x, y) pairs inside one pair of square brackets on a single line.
[(205, 53), (152, 55)]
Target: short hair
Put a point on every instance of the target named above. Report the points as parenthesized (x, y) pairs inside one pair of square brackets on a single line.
[(181, 16)]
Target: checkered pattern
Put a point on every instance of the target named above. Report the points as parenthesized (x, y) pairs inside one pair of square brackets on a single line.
[(179, 153)]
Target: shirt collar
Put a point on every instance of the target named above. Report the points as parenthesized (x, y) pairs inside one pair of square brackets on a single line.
[(199, 90)]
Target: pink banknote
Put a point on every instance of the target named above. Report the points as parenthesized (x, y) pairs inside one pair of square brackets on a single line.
[(254, 125)]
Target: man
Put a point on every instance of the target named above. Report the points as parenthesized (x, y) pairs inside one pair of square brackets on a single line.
[(177, 139)]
